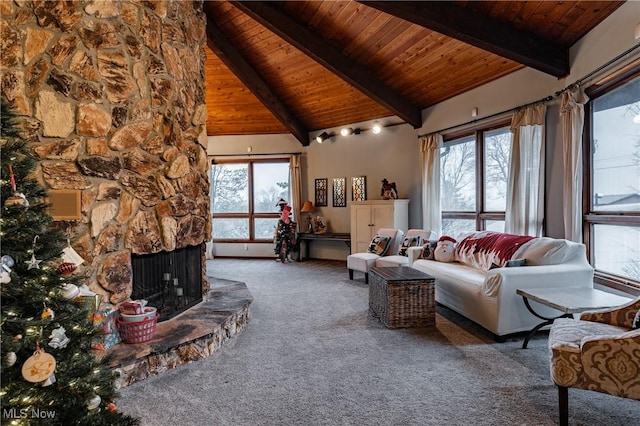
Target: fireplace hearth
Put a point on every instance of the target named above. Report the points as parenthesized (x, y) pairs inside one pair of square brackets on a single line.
[(169, 281)]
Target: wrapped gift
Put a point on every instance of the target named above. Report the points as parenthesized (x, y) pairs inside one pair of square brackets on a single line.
[(88, 298), (92, 302), (106, 320)]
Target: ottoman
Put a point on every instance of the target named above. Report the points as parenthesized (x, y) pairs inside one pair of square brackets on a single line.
[(402, 297)]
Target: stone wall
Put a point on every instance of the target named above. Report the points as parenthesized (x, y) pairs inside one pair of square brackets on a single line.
[(112, 97)]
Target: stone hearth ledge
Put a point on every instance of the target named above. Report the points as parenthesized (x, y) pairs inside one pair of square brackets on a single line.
[(195, 334)]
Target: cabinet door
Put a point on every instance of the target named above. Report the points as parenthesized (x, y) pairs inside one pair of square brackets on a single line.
[(361, 228), (382, 216)]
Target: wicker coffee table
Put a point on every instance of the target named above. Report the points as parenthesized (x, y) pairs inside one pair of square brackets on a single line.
[(402, 297)]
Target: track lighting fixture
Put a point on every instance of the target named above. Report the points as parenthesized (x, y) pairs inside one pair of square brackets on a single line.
[(377, 128), (322, 137), (346, 131)]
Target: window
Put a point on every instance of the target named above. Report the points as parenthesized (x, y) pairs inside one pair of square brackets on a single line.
[(244, 197), (474, 169), (612, 192)]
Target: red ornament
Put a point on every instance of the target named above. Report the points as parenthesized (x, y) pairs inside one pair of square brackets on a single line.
[(67, 268), (112, 407)]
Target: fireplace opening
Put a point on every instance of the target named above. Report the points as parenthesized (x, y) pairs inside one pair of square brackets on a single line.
[(169, 281)]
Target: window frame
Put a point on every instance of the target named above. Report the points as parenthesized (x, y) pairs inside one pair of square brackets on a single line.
[(591, 217), (480, 215), (251, 215)]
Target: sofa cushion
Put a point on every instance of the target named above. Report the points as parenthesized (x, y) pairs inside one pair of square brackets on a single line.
[(428, 249), (483, 249), (379, 245), (408, 241)]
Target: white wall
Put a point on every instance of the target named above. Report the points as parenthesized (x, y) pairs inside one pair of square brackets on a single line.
[(395, 153)]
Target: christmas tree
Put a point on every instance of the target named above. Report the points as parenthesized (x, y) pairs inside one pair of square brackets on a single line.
[(50, 374)]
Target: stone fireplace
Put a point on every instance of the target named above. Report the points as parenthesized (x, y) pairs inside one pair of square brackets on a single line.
[(111, 100)]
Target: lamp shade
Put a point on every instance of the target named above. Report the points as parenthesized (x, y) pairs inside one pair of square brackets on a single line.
[(307, 207)]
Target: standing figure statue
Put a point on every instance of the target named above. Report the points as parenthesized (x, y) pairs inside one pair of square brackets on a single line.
[(388, 190), (285, 235)]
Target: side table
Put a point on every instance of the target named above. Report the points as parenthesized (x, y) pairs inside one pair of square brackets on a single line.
[(568, 300), (402, 296)]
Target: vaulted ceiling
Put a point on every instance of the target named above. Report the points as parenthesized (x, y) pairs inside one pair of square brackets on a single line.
[(301, 66)]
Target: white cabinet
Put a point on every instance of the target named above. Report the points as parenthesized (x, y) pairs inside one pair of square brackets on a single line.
[(369, 216)]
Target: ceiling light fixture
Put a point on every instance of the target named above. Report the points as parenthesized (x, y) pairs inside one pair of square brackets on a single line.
[(377, 128), (322, 137), (346, 131)]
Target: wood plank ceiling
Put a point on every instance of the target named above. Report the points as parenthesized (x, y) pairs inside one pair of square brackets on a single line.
[(301, 66)]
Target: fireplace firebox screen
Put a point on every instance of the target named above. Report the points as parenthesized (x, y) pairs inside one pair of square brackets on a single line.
[(169, 281)]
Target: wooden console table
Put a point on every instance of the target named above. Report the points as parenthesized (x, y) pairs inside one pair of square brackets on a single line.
[(327, 236), (567, 300)]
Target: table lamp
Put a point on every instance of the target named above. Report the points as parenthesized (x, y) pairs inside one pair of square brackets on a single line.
[(307, 207)]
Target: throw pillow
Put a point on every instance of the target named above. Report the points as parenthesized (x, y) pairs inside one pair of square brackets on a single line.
[(428, 249), (636, 321), (406, 243), (379, 245), (511, 263)]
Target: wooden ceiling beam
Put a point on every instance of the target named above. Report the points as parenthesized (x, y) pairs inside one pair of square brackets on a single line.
[(233, 59), (317, 48), (479, 30)]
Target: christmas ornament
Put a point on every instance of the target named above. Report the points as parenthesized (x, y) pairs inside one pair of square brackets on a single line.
[(8, 262), (17, 199), (17, 338), (11, 358), (112, 407), (39, 368), (33, 263), (5, 271), (59, 339), (69, 255), (69, 291), (67, 268), (94, 402), (47, 313)]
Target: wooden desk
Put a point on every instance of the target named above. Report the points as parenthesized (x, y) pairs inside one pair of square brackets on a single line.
[(327, 236), (569, 301)]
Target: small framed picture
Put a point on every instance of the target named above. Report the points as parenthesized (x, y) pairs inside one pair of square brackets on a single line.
[(359, 188), (321, 192), (340, 192)]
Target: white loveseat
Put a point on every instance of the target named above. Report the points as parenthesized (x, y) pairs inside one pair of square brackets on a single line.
[(488, 296)]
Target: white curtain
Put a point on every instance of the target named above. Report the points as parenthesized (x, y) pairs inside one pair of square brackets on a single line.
[(431, 213), (572, 116), (296, 187), (525, 190)]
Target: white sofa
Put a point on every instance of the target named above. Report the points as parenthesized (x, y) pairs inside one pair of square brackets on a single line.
[(488, 296)]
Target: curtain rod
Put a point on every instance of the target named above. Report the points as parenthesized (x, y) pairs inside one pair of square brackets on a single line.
[(548, 98), (597, 70), (254, 155)]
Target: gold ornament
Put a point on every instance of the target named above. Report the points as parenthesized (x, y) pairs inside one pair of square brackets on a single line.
[(39, 368)]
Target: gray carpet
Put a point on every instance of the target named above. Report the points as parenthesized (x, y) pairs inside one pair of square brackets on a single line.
[(312, 355)]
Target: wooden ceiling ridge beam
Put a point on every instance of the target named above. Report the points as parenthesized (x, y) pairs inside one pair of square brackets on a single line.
[(225, 50), (481, 31), (321, 51)]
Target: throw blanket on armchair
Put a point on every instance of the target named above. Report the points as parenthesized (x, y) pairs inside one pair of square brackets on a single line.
[(486, 248)]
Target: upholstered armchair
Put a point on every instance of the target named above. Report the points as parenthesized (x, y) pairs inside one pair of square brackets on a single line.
[(363, 261), (598, 352)]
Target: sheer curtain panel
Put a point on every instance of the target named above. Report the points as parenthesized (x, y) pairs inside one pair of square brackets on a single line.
[(525, 190), (296, 187), (431, 211), (572, 116)]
